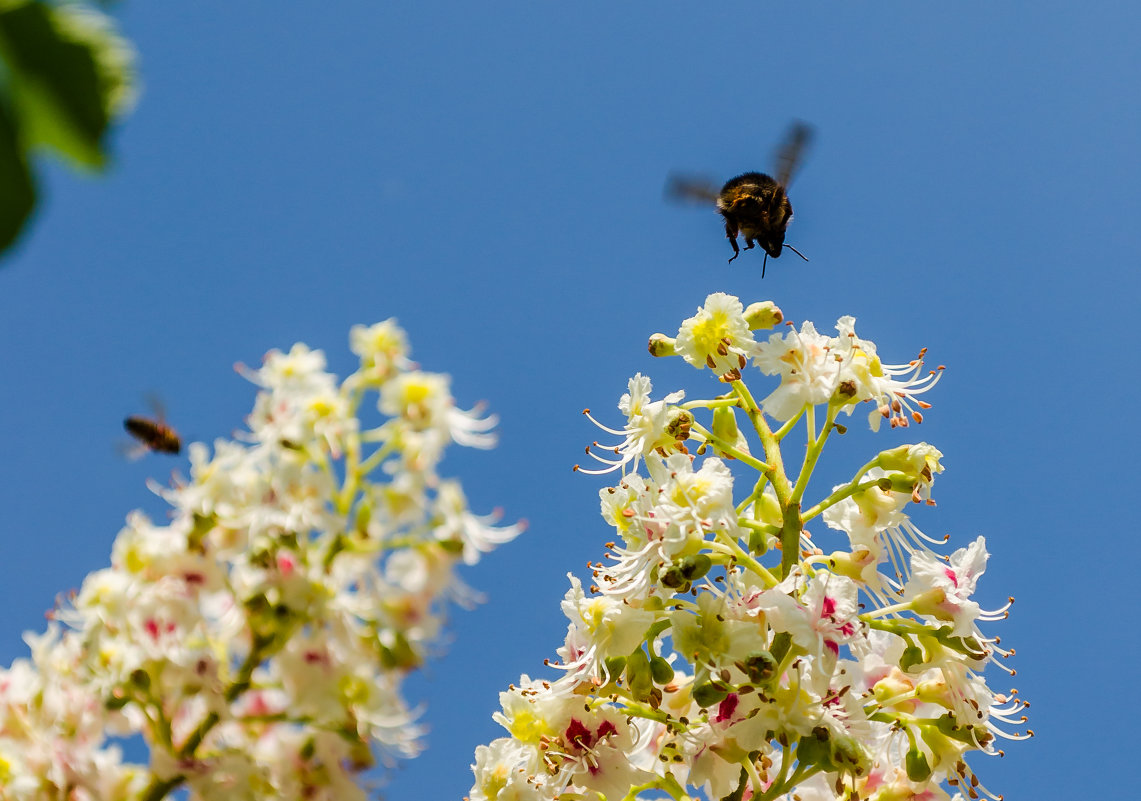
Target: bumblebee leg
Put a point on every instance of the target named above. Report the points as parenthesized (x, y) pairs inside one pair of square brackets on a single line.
[(764, 264), (731, 232)]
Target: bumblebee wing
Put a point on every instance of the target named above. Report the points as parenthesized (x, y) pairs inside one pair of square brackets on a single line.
[(792, 151), (156, 406), (130, 449), (691, 189)]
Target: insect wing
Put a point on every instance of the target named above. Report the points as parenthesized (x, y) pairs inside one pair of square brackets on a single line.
[(792, 151), (689, 188)]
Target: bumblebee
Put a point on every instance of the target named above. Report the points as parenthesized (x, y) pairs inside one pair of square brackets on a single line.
[(152, 435), (753, 204)]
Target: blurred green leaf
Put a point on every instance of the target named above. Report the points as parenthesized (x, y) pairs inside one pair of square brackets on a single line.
[(55, 82), (65, 73), (17, 192)]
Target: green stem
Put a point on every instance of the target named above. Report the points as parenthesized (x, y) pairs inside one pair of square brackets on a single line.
[(854, 488), (813, 450), (708, 404), (743, 558), (782, 432), (729, 449), (667, 784), (378, 456), (790, 507)]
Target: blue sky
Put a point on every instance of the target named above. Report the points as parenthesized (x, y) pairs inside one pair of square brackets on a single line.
[(492, 174)]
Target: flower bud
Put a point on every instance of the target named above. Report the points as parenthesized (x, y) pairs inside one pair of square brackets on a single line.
[(931, 603), (893, 684), (661, 670), (934, 691), (918, 769), (766, 509), (639, 677), (725, 429), (695, 566), (763, 315), (851, 565), (661, 345)]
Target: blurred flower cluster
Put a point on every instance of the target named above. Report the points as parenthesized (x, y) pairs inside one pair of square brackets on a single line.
[(724, 652), (257, 642)]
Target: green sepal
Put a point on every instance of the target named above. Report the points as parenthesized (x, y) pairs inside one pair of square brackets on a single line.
[(782, 642)]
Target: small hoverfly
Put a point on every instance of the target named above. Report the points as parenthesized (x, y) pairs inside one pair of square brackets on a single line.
[(753, 204), (152, 434)]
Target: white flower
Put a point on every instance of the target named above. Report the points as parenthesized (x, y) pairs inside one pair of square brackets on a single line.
[(663, 524), (807, 370), (821, 616), (425, 419), (717, 337), (650, 426), (881, 383), (845, 369), (383, 350), (943, 589), (600, 627), (507, 770), (476, 532)]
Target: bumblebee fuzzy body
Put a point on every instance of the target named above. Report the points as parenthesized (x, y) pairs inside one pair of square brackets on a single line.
[(755, 206), (153, 435)]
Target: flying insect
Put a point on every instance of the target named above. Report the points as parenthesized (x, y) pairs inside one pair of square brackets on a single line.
[(753, 204), (152, 434)]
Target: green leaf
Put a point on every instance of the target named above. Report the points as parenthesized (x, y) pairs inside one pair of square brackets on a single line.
[(17, 192), (60, 95)]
